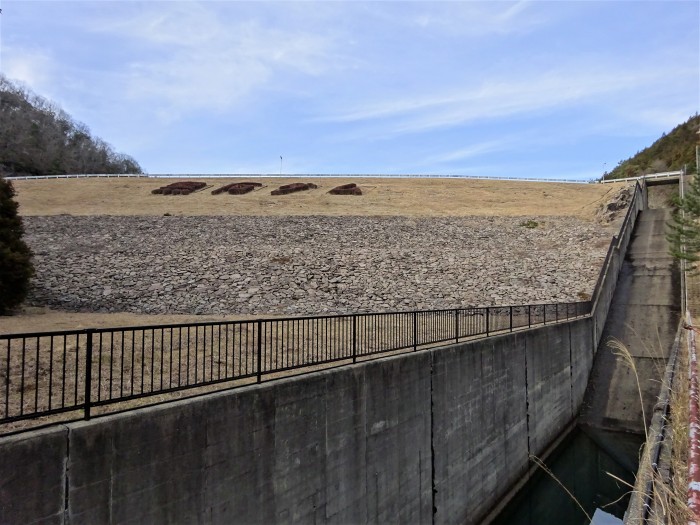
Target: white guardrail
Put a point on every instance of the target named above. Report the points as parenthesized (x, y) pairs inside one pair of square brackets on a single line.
[(363, 175), (78, 176), (293, 175), (664, 175), (668, 174)]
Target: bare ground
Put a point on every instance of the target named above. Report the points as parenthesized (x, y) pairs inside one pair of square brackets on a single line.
[(33, 319)]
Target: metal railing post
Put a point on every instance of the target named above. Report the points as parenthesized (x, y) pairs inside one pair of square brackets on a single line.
[(354, 338), (529, 315), (456, 325), (544, 314), (511, 318), (259, 351), (556, 312), (487, 321), (88, 372), (415, 331)]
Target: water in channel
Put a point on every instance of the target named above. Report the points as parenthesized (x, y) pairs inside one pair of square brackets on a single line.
[(583, 463)]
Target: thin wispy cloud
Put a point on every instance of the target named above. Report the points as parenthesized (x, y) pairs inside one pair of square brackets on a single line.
[(338, 87), (479, 19), (500, 98), (29, 66), (193, 59), (470, 151)]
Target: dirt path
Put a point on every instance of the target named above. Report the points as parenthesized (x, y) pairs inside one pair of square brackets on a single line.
[(33, 319)]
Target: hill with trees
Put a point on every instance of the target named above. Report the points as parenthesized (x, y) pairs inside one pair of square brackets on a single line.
[(39, 138), (670, 153)]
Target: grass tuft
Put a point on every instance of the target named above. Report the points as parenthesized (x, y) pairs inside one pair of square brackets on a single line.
[(530, 224)]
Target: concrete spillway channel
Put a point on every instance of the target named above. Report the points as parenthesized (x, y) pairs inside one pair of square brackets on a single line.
[(643, 318)]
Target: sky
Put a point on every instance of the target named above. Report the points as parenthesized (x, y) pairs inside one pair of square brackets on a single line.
[(499, 89)]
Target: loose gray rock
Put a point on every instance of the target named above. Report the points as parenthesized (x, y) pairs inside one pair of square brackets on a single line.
[(308, 265)]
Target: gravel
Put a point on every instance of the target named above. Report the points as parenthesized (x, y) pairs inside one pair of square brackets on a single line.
[(308, 265)]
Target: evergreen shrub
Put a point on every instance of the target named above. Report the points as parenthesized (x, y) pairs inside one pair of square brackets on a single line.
[(16, 267)]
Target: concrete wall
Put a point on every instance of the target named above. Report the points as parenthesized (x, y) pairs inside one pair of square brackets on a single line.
[(33, 477), (480, 428), (436, 436), (611, 270)]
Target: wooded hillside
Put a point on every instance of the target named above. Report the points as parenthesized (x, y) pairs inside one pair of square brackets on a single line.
[(39, 138), (670, 153)]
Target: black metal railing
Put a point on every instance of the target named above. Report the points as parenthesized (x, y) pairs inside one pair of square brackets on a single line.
[(78, 370)]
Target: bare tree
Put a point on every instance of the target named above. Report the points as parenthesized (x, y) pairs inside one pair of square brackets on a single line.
[(38, 137)]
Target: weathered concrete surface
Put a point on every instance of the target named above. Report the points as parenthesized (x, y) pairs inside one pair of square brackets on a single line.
[(435, 436), (497, 401), (582, 350), (32, 476), (480, 425), (644, 316), (335, 447)]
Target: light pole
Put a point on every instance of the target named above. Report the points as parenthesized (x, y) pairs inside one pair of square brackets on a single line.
[(280, 164)]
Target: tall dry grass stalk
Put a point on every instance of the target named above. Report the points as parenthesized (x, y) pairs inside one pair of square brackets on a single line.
[(671, 490), (537, 461), (669, 478), (621, 351)]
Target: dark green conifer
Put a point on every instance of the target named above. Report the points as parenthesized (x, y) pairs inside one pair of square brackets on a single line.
[(15, 256), (684, 235)]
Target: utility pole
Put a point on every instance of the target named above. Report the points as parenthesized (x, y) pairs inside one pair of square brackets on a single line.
[(280, 164)]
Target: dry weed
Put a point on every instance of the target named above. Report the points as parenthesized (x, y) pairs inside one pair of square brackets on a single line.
[(669, 482)]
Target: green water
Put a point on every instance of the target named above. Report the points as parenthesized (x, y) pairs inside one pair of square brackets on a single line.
[(583, 465)]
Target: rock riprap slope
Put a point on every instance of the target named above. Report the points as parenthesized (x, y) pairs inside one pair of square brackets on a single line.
[(308, 265)]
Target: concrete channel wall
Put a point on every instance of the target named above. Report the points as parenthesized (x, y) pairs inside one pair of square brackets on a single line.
[(435, 436), (605, 290)]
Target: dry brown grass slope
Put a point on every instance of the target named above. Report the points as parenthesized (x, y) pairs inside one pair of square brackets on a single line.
[(408, 197)]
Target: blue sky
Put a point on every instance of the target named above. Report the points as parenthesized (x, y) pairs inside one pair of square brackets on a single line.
[(533, 89)]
